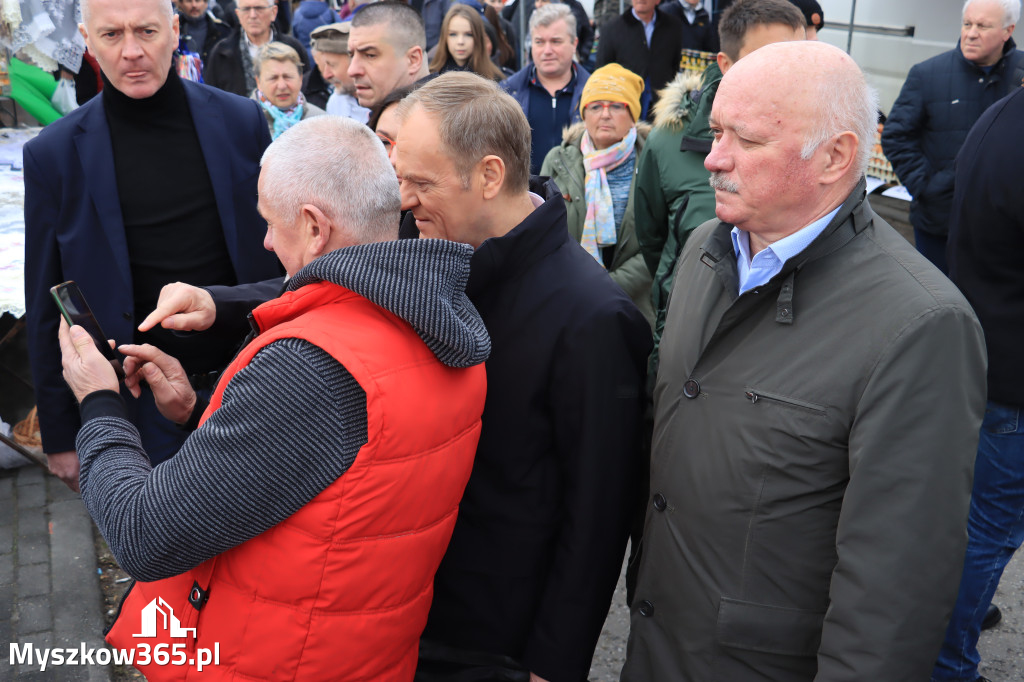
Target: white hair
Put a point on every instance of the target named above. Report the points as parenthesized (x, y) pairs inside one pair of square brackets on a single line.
[(86, 10), (340, 167), (552, 12), (1011, 10), (845, 106)]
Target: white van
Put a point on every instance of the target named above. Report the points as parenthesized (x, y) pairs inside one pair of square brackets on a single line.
[(890, 36)]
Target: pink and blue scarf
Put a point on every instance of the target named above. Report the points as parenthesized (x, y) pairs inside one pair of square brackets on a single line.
[(599, 227)]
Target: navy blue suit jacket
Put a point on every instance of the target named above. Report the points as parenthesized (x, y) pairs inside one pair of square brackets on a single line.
[(74, 229)]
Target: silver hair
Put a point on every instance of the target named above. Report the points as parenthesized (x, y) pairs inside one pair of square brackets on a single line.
[(845, 106), (277, 52), (1011, 10), (86, 10), (340, 167), (552, 12)]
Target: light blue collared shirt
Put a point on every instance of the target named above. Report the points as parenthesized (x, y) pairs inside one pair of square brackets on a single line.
[(648, 28), (690, 12), (768, 262)]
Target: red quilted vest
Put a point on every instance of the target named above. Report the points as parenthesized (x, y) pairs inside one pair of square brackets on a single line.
[(340, 590)]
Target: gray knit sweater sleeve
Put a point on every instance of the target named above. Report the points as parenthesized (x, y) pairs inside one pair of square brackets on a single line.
[(290, 423)]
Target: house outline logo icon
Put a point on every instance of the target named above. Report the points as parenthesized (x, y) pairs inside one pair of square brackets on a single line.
[(170, 621)]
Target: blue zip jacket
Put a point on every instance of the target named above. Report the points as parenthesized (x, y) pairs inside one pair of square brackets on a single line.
[(941, 99)]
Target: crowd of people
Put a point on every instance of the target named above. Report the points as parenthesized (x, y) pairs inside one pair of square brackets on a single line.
[(418, 339)]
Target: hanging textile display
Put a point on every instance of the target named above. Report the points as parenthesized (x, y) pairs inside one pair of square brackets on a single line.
[(43, 31)]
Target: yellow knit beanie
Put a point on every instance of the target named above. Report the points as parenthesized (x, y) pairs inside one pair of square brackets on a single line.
[(613, 83)]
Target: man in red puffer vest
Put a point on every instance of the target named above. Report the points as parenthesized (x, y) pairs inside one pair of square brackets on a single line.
[(297, 532)]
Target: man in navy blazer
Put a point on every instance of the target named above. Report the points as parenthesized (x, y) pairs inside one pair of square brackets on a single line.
[(153, 181)]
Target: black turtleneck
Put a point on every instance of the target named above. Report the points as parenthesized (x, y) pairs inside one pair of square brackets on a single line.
[(167, 204)]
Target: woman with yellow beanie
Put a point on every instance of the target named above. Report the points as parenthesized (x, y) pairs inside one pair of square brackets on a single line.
[(594, 169)]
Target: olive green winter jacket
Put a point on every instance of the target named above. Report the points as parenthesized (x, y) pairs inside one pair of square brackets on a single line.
[(672, 194), (813, 445), (564, 165)]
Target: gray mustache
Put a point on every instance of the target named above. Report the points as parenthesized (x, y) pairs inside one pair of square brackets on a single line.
[(720, 182)]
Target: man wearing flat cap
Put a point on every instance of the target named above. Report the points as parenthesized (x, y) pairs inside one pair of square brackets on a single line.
[(329, 45)]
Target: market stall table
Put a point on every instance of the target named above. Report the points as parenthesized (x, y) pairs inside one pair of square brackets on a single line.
[(16, 395)]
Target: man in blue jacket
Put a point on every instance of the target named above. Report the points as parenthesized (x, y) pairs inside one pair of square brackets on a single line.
[(152, 182), (549, 89), (940, 101)]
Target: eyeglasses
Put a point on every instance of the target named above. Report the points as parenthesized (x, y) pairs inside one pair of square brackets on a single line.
[(389, 144), (254, 10), (597, 108)]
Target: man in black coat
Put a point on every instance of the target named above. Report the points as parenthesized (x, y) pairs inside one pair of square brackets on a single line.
[(230, 62), (225, 11), (200, 29), (529, 574), (526, 583), (648, 42), (986, 245), (940, 101), (699, 31)]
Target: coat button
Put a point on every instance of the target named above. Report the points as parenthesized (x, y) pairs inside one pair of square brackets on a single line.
[(691, 389), (646, 609), (126, 316), (660, 502)]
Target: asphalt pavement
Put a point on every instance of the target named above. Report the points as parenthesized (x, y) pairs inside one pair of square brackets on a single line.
[(49, 587)]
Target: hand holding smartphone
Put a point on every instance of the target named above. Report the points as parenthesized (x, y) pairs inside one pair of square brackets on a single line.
[(75, 310)]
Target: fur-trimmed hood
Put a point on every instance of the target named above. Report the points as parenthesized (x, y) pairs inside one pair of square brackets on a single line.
[(675, 101), (574, 133)]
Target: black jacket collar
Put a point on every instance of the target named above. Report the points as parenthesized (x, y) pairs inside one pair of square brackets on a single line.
[(542, 232)]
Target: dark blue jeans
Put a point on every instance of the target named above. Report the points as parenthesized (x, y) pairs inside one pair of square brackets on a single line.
[(995, 529)]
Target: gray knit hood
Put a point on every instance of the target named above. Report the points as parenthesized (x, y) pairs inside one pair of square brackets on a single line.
[(422, 281)]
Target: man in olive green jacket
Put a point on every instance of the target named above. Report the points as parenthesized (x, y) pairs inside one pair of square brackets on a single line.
[(564, 165), (816, 409)]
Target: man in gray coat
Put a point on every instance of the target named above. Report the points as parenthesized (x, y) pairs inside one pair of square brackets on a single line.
[(816, 409)]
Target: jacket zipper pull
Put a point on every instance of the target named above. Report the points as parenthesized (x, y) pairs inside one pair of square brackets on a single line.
[(753, 396), (253, 324), (554, 102)]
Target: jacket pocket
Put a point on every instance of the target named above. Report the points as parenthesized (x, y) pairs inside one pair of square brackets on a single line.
[(769, 629), (754, 395)]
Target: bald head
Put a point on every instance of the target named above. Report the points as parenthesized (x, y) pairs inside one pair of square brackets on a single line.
[(794, 124), (826, 81)]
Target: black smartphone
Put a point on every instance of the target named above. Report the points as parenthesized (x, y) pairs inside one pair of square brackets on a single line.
[(76, 310)]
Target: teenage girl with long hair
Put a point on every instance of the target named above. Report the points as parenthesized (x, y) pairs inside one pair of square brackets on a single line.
[(462, 47)]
